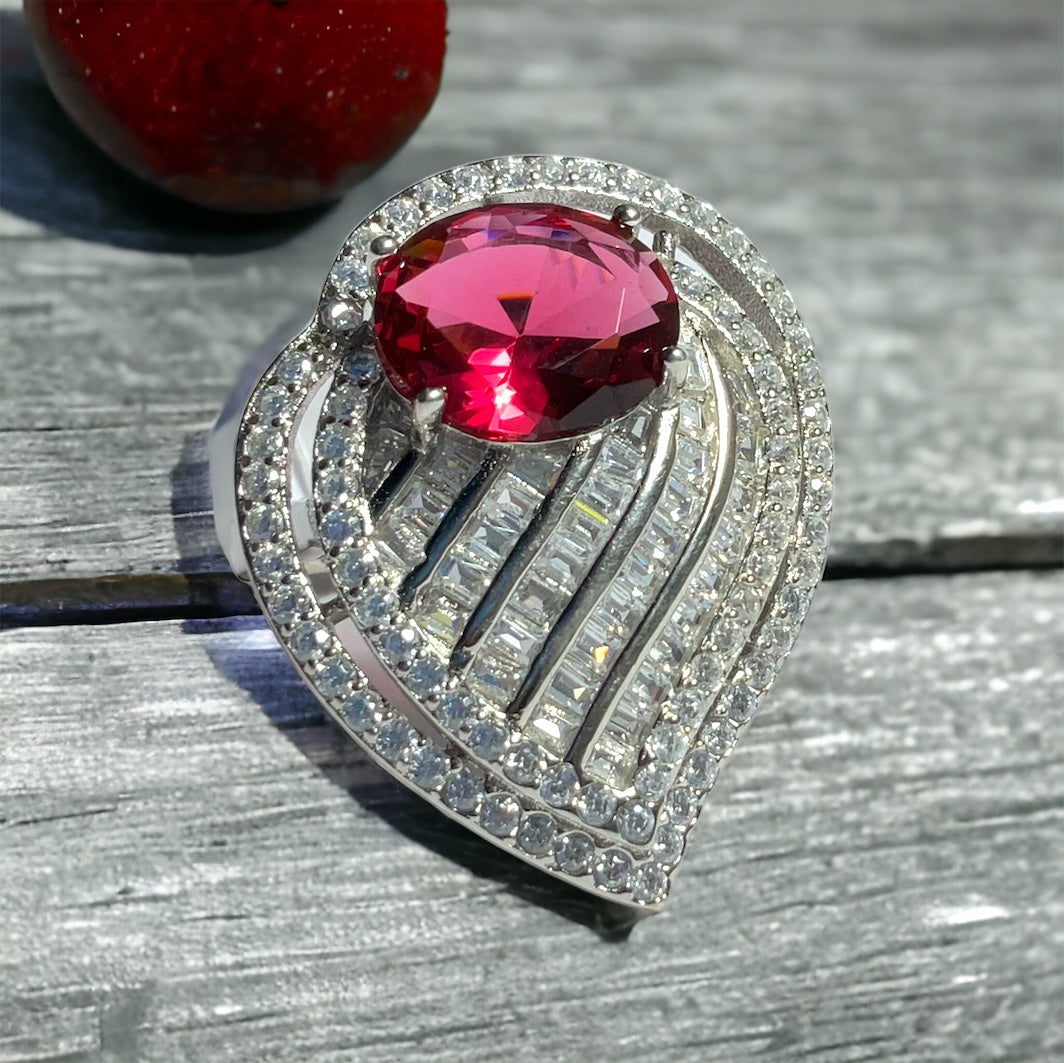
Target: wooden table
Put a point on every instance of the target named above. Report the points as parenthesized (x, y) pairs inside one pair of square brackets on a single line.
[(195, 866)]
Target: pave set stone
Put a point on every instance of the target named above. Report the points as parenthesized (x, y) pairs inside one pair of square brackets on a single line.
[(618, 820)]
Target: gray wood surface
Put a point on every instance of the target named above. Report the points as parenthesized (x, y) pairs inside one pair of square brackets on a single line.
[(199, 867), (194, 865), (898, 162)]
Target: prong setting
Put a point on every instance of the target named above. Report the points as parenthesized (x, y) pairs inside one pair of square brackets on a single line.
[(677, 371), (627, 216), (383, 245), (425, 418), (665, 244)]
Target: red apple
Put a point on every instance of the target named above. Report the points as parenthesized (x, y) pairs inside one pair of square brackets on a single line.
[(249, 105)]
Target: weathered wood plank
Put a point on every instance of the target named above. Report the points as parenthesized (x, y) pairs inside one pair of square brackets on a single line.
[(194, 865), (899, 162)]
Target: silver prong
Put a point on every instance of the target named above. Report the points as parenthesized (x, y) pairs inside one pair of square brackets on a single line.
[(428, 408), (665, 245), (627, 216), (383, 245), (677, 369)]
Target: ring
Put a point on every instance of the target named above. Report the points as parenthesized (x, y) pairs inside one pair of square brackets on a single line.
[(536, 504)]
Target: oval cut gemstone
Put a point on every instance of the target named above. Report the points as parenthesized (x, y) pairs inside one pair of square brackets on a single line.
[(540, 321)]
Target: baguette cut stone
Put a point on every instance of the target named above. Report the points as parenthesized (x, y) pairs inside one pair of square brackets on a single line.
[(540, 321)]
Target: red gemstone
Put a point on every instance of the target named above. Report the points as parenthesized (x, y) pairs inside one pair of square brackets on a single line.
[(540, 321)]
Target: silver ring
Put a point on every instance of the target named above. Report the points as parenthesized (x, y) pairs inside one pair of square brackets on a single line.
[(536, 504)]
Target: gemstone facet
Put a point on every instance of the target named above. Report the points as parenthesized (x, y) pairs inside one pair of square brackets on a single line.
[(539, 321)]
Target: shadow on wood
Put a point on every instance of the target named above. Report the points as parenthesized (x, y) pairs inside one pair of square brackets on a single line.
[(296, 713)]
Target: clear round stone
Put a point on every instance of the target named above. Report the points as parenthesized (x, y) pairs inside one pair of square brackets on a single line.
[(375, 606), (704, 216), (258, 480), (456, 709), (701, 769), (631, 183), (361, 711), (287, 604), (573, 852), (353, 567), (782, 450), (351, 275), (804, 569), (818, 453), (361, 365), (338, 525), (612, 869), (667, 743), (394, 739), (332, 442), (488, 740), (793, 602), (732, 242), (331, 484), (470, 182), (635, 822), (589, 172), (596, 804), (511, 172), (665, 197), (536, 833), (522, 764), (551, 170), (262, 523), (262, 443), (428, 767), (500, 814), (776, 639), (682, 805), (689, 706), (307, 640), (271, 564), (463, 791), (651, 781), (402, 214), (436, 193), (559, 785), (809, 375), (719, 737), (741, 704), (397, 645), (425, 677), (294, 368), (341, 315), (271, 401), (650, 884), (708, 671), (760, 670), (818, 494), (668, 845), (335, 676)]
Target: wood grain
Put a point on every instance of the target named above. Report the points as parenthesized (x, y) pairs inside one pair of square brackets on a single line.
[(899, 163), (195, 865)]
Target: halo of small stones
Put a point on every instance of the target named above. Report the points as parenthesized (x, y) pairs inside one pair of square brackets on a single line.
[(758, 634)]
